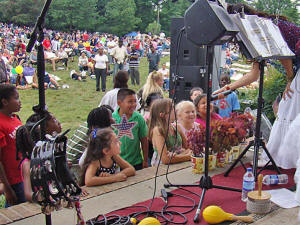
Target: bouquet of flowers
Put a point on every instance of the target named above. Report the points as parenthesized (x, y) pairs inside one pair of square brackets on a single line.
[(230, 131), (224, 134), (196, 141)]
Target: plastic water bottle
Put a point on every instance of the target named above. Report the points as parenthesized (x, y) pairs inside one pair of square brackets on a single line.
[(276, 179), (248, 184)]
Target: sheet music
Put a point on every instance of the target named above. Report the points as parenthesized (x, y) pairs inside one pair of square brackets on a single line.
[(261, 37)]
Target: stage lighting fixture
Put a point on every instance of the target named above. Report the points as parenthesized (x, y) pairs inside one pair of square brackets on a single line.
[(207, 23)]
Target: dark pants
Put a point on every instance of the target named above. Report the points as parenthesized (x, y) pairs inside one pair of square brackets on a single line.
[(65, 61), (151, 69), (134, 75), (19, 190), (138, 166), (100, 73)]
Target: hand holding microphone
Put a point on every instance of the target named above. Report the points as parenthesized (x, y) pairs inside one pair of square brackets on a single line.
[(221, 93)]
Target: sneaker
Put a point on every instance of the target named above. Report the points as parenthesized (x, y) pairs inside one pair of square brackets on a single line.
[(98, 89)]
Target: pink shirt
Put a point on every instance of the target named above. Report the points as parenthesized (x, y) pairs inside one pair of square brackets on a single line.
[(214, 116)]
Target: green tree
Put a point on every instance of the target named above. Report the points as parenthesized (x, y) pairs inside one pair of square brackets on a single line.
[(172, 10), (153, 28), (144, 11), (287, 8), (70, 15), (23, 12), (120, 17)]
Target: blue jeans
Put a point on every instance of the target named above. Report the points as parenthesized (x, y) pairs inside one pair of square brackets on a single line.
[(117, 67), (19, 190), (166, 84)]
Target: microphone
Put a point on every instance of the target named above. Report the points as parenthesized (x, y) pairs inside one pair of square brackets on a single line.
[(220, 95)]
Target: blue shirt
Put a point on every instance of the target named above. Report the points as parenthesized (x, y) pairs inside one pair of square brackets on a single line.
[(228, 105)]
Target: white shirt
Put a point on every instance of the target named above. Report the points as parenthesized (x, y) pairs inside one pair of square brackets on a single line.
[(164, 72), (119, 54), (111, 45), (82, 61), (101, 61)]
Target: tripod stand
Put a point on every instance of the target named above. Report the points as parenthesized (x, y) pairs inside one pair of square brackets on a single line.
[(38, 35), (205, 181), (258, 141)]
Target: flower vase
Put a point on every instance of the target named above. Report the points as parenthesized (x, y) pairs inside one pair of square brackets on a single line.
[(221, 159), (198, 163), (229, 156), (235, 151)]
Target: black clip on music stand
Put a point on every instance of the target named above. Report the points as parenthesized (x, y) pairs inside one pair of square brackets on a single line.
[(258, 140), (206, 182)]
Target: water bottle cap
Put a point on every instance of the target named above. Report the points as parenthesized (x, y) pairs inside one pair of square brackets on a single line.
[(249, 169)]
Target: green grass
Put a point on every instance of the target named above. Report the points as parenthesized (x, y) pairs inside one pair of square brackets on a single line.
[(71, 106)]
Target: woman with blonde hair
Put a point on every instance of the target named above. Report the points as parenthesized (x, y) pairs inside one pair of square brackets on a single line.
[(153, 84)]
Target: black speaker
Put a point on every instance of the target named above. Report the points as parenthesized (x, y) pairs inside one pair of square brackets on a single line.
[(189, 54), (191, 59), (192, 77), (207, 23)]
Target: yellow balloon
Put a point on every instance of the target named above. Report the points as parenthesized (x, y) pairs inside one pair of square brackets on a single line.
[(19, 69), (214, 215), (149, 221)]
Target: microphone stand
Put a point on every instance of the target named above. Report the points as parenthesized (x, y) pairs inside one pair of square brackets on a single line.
[(38, 35), (206, 182), (258, 140)]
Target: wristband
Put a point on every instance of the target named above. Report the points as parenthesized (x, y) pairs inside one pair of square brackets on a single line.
[(227, 88)]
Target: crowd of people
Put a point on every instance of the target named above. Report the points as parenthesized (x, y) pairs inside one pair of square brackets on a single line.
[(96, 52)]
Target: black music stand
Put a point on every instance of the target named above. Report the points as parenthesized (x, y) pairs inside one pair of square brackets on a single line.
[(38, 35), (258, 140), (206, 182)]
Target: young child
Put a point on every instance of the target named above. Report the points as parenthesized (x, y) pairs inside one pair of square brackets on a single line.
[(174, 150), (10, 174), (25, 144), (228, 104), (195, 92), (132, 130), (100, 117), (200, 103), (186, 112), (103, 163)]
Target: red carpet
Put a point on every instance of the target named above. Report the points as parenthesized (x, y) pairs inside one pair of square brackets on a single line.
[(229, 201)]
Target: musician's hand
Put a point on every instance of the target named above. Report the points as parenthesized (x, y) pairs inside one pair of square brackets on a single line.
[(218, 91), (288, 91), (225, 88)]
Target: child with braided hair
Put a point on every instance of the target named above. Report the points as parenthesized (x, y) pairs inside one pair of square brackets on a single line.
[(103, 164)]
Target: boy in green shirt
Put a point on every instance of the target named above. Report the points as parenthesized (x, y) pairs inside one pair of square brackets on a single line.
[(131, 129)]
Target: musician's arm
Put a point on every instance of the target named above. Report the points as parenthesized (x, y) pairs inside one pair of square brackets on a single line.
[(288, 66), (247, 79)]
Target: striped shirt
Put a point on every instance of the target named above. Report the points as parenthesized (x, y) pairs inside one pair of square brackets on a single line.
[(77, 144), (133, 62)]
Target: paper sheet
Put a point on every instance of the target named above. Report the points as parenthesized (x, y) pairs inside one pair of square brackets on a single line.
[(283, 198)]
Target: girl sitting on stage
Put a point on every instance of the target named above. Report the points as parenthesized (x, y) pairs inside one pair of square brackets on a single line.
[(25, 144), (186, 112), (103, 163), (200, 103), (174, 148)]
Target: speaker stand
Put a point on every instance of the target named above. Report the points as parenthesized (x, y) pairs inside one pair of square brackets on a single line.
[(258, 140), (206, 182)]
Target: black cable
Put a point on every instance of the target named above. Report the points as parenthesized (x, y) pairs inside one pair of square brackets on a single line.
[(157, 214)]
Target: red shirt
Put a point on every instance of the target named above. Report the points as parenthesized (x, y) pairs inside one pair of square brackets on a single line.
[(85, 37), (8, 128), (46, 44)]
